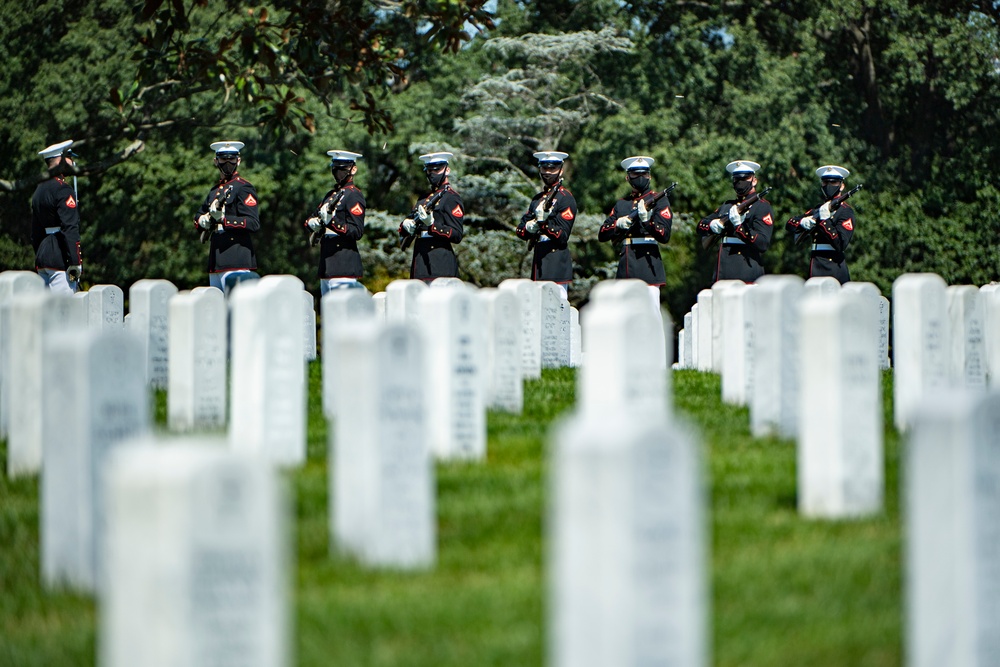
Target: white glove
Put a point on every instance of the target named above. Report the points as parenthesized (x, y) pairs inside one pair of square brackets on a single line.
[(807, 223), (74, 272), (531, 227), (205, 221), (215, 211), (315, 224), (324, 213), (623, 222), (735, 217), (409, 226), (824, 211), (717, 226), (541, 215), (422, 213), (644, 215)]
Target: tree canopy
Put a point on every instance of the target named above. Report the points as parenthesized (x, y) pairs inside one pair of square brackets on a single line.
[(904, 94)]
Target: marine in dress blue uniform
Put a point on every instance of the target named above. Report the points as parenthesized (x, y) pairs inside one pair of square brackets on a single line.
[(55, 223), (743, 239), (230, 214), (436, 223), (638, 226), (548, 222), (338, 223), (831, 231)]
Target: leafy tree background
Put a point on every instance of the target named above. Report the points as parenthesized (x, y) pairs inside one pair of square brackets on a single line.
[(902, 93)]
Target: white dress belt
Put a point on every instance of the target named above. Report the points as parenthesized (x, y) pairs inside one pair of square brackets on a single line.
[(731, 240), (426, 235), (543, 239), (53, 230), (823, 246), (638, 239), (330, 232)]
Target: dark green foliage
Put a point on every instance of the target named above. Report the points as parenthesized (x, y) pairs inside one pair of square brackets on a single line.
[(903, 94)]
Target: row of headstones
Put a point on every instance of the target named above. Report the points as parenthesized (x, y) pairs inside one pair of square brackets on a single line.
[(805, 357), (810, 371), (617, 523), (817, 369), (184, 342), (408, 375), (72, 484)]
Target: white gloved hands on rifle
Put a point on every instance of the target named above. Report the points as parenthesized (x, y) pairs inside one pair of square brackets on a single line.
[(531, 227), (74, 272), (216, 211), (422, 213), (623, 222), (541, 214), (325, 214), (824, 211), (205, 221), (315, 224), (409, 226), (716, 226), (807, 222), (735, 217), (643, 214)]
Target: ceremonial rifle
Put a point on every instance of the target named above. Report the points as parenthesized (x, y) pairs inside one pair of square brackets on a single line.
[(546, 204), (741, 208), (834, 205), (224, 197), (407, 239), (634, 213), (316, 236)]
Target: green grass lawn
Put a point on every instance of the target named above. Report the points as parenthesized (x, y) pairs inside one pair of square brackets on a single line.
[(785, 591)]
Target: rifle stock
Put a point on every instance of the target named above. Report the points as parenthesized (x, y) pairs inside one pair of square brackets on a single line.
[(546, 204), (834, 205), (316, 236), (741, 208), (219, 195), (406, 239), (634, 213)]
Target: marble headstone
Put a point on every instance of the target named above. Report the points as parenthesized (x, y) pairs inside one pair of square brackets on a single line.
[(97, 378), (382, 501), (840, 455), (267, 400), (196, 551), (198, 339), (149, 314), (455, 335), (920, 341)]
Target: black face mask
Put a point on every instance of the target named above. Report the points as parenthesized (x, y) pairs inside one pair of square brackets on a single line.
[(436, 178), (549, 178), (743, 188), (830, 190), (345, 178), (639, 183), (228, 169)]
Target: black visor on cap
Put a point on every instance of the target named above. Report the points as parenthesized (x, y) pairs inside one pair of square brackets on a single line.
[(226, 156), (639, 170), (742, 175), (831, 179), (341, 164)]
